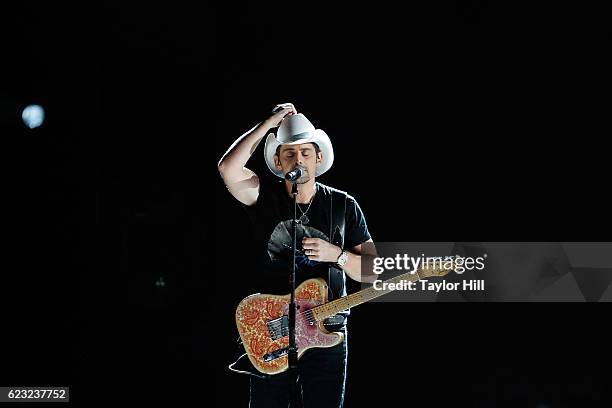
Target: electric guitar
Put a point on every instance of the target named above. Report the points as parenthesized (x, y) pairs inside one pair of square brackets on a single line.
[(263, 321)]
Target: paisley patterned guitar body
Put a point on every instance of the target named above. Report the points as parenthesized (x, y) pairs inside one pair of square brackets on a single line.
[(262, 324)]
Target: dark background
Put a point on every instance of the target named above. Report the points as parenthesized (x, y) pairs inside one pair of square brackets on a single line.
[(126, 256)]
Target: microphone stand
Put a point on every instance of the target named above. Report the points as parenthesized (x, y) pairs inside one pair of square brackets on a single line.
[(294, 400)]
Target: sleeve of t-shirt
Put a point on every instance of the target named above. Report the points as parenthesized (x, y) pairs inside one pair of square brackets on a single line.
[(254, 209), (356, 229)]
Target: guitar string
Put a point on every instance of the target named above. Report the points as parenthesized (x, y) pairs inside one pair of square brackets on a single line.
[(309, 312)]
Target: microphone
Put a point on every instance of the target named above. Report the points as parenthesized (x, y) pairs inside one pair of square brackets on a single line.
[(296, 173)]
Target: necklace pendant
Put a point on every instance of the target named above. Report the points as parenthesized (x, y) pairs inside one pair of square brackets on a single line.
[(304, 219)]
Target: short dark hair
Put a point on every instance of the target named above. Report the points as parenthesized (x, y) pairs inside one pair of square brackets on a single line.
[(316, 146)]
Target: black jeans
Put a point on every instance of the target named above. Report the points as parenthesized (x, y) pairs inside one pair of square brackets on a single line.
[(322, 375)]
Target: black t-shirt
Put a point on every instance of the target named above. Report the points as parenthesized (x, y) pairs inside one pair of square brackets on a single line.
[(272, 216)]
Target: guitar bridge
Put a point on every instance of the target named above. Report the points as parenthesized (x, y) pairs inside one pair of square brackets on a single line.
[(275, 354)]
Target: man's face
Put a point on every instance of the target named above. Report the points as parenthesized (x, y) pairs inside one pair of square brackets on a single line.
[(304, 155)]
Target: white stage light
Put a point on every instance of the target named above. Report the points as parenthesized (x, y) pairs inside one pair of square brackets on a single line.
[(33, 116)]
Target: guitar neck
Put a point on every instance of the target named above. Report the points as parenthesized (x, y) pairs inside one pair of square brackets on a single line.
[(339, 305)]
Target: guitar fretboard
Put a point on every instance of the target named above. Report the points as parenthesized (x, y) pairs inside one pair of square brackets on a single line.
[(329, 309)]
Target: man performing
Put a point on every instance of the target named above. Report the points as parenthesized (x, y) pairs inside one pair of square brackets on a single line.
[(331, 229)]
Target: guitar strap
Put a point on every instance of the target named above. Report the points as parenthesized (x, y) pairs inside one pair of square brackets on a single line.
[(337, 213)]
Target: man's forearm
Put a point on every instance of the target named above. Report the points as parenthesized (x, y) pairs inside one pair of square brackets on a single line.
[(353, 269), (241, 150)]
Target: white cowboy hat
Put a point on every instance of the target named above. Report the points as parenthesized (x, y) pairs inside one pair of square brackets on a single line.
[(296, 129)]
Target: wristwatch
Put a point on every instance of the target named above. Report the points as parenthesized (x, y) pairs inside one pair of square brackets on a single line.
[(342, 259)]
